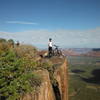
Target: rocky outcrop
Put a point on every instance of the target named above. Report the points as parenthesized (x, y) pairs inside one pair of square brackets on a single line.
[(44, 92), (49, 91), (60, 75)]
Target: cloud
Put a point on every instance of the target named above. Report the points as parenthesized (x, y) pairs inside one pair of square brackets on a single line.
[(21, 22), (69, 38)]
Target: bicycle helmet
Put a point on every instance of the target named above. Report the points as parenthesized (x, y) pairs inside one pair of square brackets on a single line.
[(50, 39)]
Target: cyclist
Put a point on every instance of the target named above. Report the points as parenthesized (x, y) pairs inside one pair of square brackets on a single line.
[(50, 45)]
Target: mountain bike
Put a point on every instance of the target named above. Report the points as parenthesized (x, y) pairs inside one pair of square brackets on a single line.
[(56, 51)]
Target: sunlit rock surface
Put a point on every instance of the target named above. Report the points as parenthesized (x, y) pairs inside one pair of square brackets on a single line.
[(47, 91)]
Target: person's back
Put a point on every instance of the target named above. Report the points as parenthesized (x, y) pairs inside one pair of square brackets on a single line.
[(50, 44), (50, 47)]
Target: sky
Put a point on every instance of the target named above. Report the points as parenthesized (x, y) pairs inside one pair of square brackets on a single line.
[(70, 23)]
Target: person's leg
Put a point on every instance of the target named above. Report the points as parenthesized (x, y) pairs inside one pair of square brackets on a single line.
[(51, 54), (50, 51)]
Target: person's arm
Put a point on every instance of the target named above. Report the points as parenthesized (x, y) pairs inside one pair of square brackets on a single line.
[(48, 44)]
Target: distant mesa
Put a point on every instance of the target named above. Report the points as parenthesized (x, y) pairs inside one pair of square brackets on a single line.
[(93, 52), (96, 49)]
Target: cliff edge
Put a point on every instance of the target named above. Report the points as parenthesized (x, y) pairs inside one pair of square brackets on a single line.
[(49, 90)]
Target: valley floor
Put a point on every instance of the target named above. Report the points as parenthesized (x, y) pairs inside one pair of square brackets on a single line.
[(84, 78)]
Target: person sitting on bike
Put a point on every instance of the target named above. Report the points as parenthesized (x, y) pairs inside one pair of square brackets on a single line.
[(50, 45)]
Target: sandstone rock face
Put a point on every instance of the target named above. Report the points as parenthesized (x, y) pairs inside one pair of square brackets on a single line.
[(45, 91), (60, 75)]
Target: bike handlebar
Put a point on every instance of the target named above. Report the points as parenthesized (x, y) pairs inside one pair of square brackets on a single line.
[(56, 46)]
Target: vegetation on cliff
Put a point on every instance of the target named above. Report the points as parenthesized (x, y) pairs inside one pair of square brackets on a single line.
[(17, 75), (18, 69)]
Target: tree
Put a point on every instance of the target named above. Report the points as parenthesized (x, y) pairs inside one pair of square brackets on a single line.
[(11, 42), (2, 40)]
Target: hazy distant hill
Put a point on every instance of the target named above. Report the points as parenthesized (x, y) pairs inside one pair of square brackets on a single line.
[(82, 52), (70, 52), (95, 52), (96, 49), (76, 51)]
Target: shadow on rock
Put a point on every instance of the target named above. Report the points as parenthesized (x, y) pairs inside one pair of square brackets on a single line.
[(57, 91), (95, 79), (77, 71)]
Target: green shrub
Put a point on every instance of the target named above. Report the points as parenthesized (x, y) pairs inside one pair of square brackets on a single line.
[(27, 51), (2, 40), (18, 67), (16, 75)]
